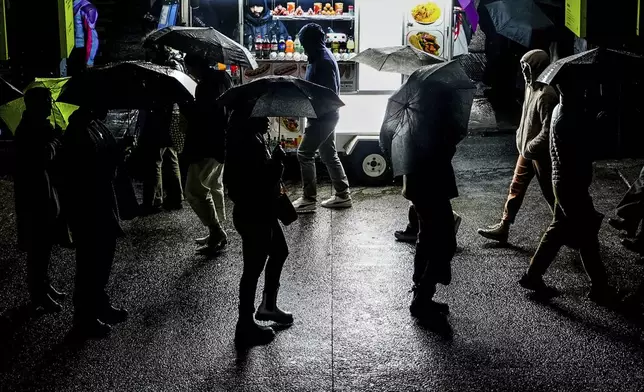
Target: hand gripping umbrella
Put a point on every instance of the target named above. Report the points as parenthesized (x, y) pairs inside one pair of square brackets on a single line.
[(427, 114), (397, 59), (129, 85), (282, 96), (11, 111), (205, 42)]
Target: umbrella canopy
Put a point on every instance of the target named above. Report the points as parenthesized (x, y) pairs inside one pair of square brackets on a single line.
[(11, 112), (203, 41), (397, 59), (7, 92), (282, 96), (518, 20), (129, 85), (604, 64), (430, 111)]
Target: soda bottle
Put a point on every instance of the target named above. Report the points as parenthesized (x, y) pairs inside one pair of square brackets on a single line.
[(267, 48), (351, 45), (282, 45), (274, 44), (298, 45), (290, 45), (259, 46)]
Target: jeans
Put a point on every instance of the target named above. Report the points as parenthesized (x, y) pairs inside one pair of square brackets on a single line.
[(525, 171), (575, 223), (154, 184), (436, 242), (263, 245), (205, 192), (94, 259), (320, 135)]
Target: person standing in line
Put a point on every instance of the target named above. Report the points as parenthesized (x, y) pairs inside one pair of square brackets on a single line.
[(253, 177), (37, 205), (91, 157), (410, 234), (320, 132), (205, 153), (575, 223), (532, 143)]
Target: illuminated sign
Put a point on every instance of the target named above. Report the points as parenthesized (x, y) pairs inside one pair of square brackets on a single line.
[(168, 15), (4, 50), (66, 26), (639, 15), (576, 17)]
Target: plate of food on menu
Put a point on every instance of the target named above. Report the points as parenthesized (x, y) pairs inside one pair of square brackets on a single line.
[(426, 13), (427, 42)]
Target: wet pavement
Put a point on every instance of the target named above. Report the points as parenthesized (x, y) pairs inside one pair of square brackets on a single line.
[(347, 283)]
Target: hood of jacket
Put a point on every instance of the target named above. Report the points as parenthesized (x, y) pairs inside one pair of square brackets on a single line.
[(537, 61), (78, 4), (253, 20), (312, 37)]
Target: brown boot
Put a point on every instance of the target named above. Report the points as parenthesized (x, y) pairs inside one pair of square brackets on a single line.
[(498, 232)]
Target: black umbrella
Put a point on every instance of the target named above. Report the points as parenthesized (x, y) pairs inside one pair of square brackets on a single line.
[(521, 21), (282, 96), (431, 110), (129, 85), (203, 41), (397, 59), (601, 64), (8, 92)]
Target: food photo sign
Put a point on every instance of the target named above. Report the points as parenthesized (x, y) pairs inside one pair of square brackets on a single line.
[(427, 26)]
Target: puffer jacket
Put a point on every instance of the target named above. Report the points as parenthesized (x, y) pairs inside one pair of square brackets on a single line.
[(540, 100)]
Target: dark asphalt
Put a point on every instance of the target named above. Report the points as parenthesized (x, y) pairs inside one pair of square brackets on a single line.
[(347, 283)]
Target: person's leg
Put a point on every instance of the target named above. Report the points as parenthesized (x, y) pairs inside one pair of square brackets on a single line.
[(631, 208), (200, 198), (269, 310), (329, 156), (38, 257), (216, 184), (311, 140), (172, 183), (543, 171), (523, 174), (152, 185), (410, 234)]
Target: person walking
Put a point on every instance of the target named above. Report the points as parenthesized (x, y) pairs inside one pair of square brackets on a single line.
[(320, 132), (532, 143), (576, 223), (253, 177), (37, 205), (205, 153), (91, 158), (410, 234)]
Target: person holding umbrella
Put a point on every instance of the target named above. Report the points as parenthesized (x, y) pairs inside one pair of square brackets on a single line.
[(532, 143), (91, 157), (253, 177), (205, 152), (37, 205), (320, 132)]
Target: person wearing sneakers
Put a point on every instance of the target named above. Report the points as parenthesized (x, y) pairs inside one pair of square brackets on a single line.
[(205, 152), (575, 223), (532, 143), (320, 132), (410, 234), (253, 177)]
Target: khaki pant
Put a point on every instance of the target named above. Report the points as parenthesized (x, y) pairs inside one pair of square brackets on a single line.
[(524, 172), (205, 192)]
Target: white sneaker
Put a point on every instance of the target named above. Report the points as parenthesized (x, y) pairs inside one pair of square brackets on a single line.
[(337, 202), (305, 205)]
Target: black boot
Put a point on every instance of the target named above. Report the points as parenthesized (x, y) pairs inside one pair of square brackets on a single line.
[(55, 294), (112, 315), (46, 303), (249, 334), (86, 328), (268, 310), (423, 306)]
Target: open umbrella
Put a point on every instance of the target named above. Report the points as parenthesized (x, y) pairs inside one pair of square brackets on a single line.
[(604, 64), (397, 59), (8, 92), (129, 85), (521, 21), (429, 110), (282, 96), (203, 41), (11, 112)]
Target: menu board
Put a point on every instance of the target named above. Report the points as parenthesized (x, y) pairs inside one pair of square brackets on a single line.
[(66, 27), (428, 26), (576, 17)]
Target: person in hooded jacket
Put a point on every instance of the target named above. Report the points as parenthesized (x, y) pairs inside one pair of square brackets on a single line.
[(36, 197), (576, 223), (205, 152), (258, 20), (320, 132), (254, 174), (532, 143)]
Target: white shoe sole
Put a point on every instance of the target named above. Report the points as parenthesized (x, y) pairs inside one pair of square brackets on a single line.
[(306, 209), (344, 204)]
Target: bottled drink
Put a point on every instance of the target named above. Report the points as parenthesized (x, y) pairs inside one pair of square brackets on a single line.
[(266, 51), (298, 45), (290, 45), (274, 44), (259, 47), (351, 45), (282, 45)]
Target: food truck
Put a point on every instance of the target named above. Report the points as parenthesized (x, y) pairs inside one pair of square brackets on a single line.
[(351, 26)]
